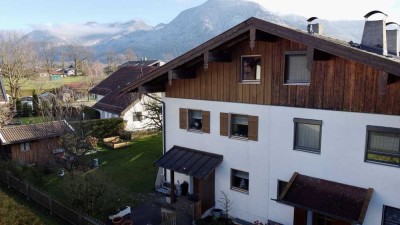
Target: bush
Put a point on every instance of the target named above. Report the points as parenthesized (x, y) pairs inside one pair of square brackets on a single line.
[(100, 128)]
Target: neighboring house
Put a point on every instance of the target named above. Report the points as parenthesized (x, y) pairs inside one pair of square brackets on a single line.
[(34, 143), (294, 127), (156, 63), (111, 103), (3, 95)]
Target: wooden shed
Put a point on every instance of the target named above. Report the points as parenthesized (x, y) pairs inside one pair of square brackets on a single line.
[(34, 143)]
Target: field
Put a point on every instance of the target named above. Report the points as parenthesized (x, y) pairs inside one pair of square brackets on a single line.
[(44, 84)]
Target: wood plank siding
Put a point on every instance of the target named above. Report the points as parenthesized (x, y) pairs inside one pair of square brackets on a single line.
[(336, 83), (41, 151)]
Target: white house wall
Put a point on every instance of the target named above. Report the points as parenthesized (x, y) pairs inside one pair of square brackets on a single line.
[(272, 157)]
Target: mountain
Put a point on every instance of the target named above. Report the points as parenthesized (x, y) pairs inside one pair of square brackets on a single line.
[(191, 28)]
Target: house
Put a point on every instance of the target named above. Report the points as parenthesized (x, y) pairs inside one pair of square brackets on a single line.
[(111, 103), (34, 143), (295, 127)]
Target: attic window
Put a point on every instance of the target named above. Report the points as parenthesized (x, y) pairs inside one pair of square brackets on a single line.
[(296, 71), (251, 68)]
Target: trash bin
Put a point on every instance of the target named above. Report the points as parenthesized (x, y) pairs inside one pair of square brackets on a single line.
[(184, 188)]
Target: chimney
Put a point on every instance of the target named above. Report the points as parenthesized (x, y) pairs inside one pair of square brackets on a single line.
[(392, 40), (314, 28), (374, 35)]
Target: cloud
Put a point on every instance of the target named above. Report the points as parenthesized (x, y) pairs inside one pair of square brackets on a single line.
[(71, 30)]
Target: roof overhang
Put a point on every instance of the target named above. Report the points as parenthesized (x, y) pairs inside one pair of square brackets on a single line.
[(257, 29), (336, 200), (191, 162)]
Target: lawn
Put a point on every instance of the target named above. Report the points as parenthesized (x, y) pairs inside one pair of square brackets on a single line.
[(14, 209), (130, 169), (44, 84)]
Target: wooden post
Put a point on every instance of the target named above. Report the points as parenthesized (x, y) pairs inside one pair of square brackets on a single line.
[(172, 193)]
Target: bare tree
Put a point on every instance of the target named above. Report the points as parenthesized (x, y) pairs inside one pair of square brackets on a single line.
[(78, 54), (94, 72), (47, 53), (152, 108), (130, 55), (6, 114), (111, 62), (18, 61)]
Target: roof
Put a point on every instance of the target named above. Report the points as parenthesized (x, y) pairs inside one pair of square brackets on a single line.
[(116, 102), (23, 133), (330, 198), (120, 78), (191, 162), (243, 30), (142, 63), (3, 94)]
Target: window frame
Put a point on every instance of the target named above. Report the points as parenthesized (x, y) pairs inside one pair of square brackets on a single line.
[(311, 122), (238, 189), (242, 80), (286, 56), (230, 126), (189, 110), (278, 187), (25, 146), (390, 130), (383, 215), (137, 118)]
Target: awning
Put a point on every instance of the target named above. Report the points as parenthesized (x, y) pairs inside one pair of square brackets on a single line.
[(191, 162), (340, 201)]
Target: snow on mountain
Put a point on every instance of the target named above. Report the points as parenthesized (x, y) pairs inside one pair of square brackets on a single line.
[(189, 29)]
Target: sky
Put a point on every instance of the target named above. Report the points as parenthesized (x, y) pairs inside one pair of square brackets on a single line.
[(28, 14)]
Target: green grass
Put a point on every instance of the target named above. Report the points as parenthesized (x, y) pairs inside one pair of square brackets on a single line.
[(44, 84), (14, 209), (32, 120)]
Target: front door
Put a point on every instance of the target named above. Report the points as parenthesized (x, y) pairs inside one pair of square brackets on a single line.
[(204, 190)]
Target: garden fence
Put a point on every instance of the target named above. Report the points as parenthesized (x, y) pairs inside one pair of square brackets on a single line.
[(47, 201)]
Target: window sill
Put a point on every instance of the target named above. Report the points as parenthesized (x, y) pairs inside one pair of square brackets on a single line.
[(382, 163), (250, 82), (242, 138), (195, 131), (317, 152), (298, 84), (240, 190)]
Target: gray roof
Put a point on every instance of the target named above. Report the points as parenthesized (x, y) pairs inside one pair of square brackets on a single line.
[(23, 133), (191, 162)]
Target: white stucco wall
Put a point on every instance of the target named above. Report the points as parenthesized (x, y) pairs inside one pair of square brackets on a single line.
[(272, 157)]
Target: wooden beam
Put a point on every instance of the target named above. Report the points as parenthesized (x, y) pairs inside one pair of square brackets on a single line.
[(263, 36), (382, 83), (181, 74), (172, 193), (310, 57), (252, 38)]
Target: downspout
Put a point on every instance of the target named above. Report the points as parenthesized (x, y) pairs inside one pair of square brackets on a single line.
[(163, 129)]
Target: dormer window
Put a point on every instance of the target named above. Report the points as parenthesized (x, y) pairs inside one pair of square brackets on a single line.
[(296, 71), (251, 68)]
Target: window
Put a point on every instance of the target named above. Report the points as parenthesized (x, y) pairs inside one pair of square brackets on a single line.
[(390, 216), (383, 145), (239, 126), (281, 185), (296, 71), (251, 68), (307, 135), (239, 180), (195, 119), (25, 146), (137, 116)]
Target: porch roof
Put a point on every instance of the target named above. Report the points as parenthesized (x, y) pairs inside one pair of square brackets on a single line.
[(337, 200), (188, 161)]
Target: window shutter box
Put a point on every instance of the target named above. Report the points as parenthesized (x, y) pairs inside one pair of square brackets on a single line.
[(183, 118), (223, 124), (206, 122), (253, 128)]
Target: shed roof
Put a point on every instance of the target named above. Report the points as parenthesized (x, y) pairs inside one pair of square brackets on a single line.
[(191, 162), (263, 28), (23, 133), (330, 198)]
